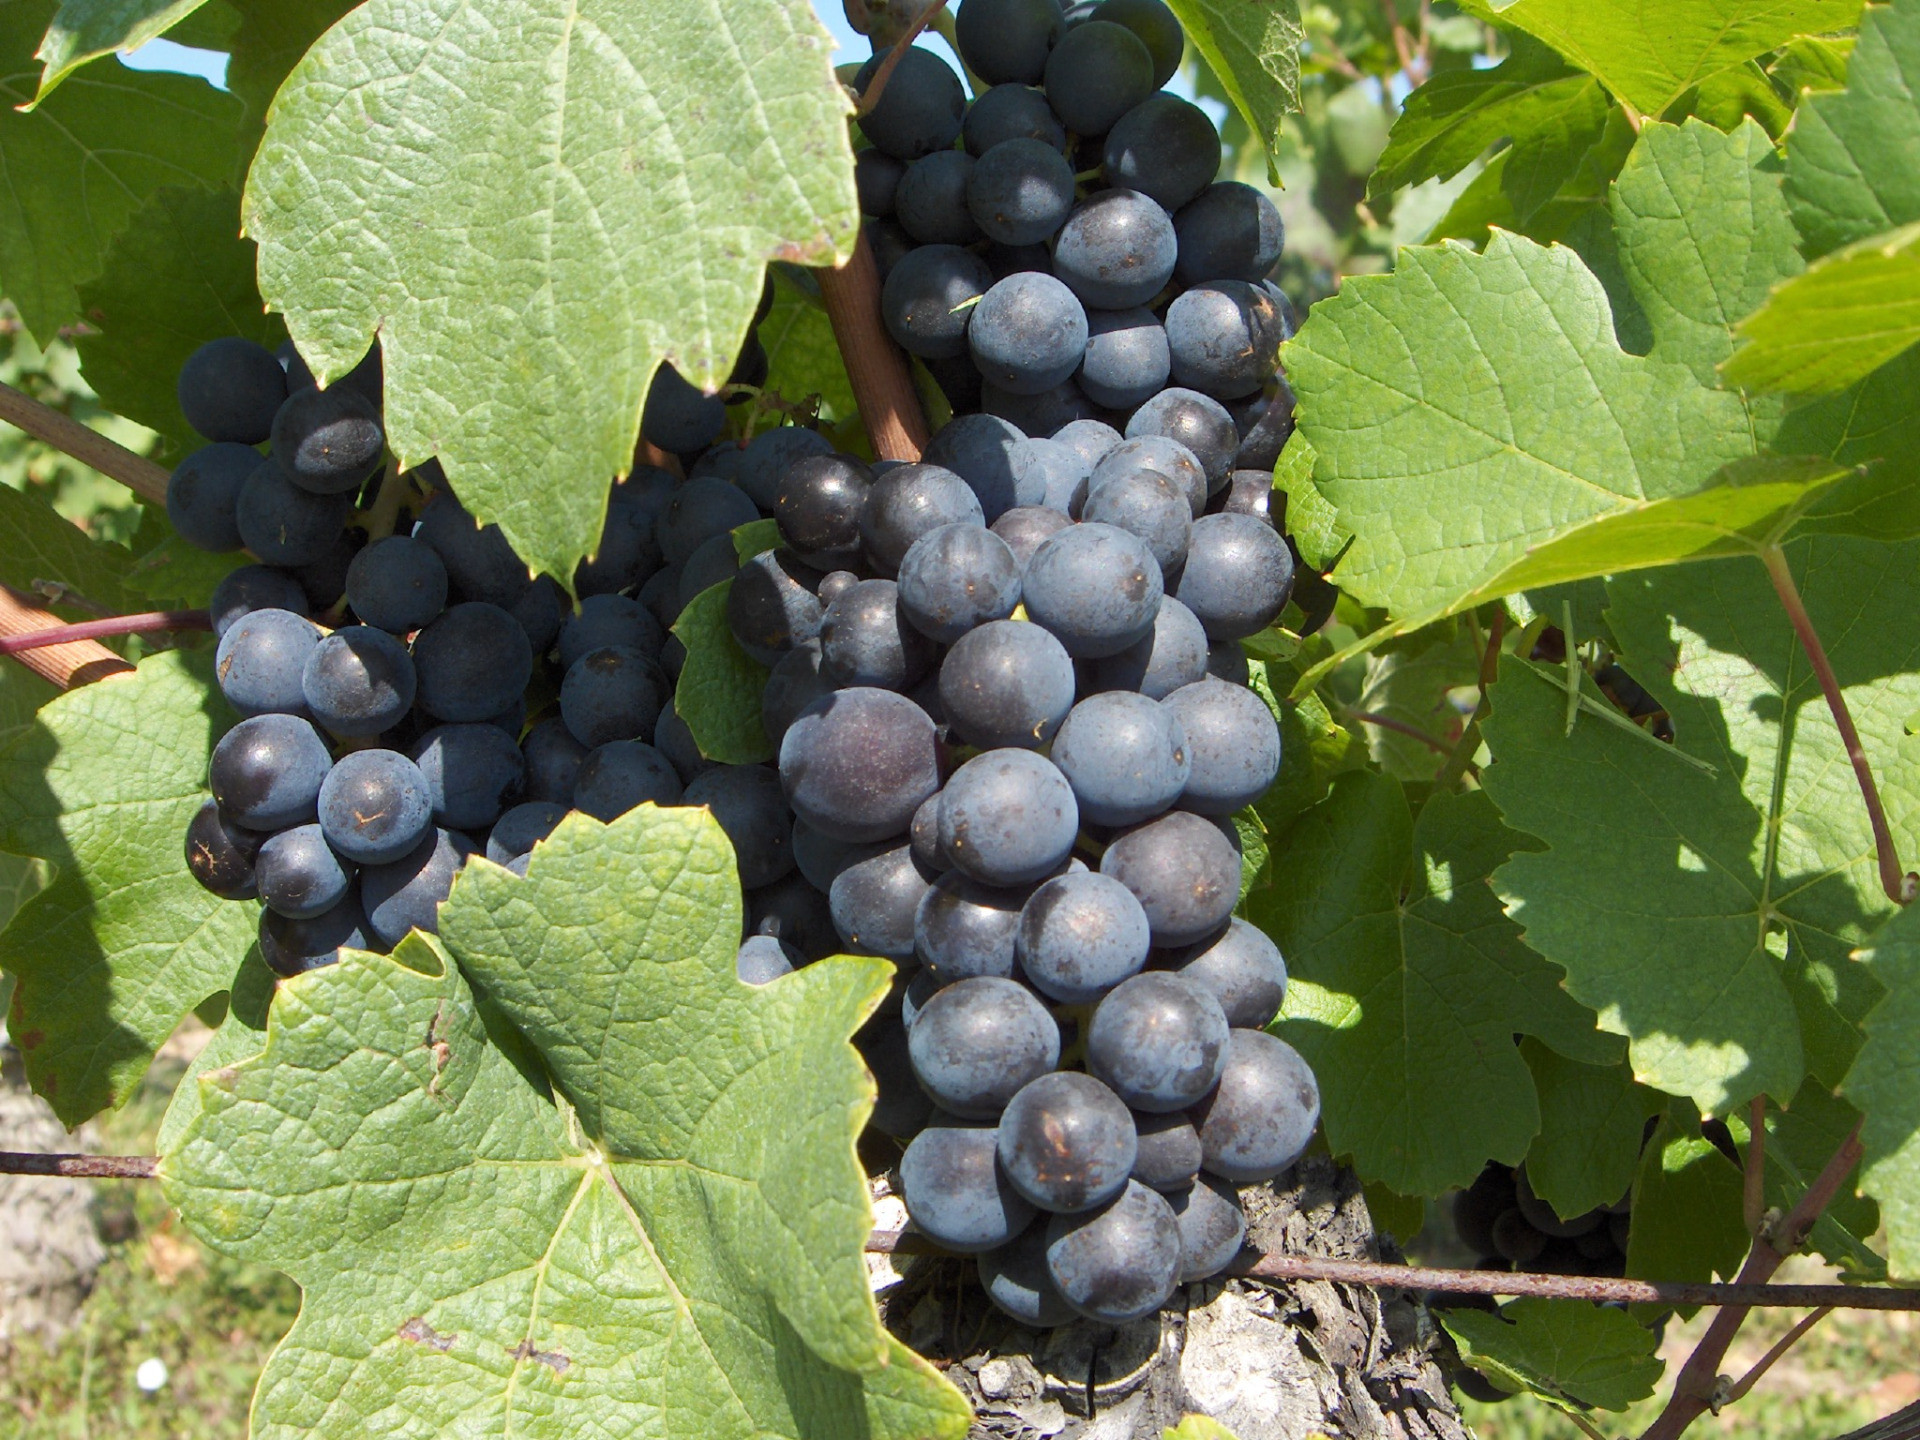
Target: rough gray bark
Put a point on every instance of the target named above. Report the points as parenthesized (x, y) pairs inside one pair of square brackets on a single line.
[(1268, 1361), (49, 1249)]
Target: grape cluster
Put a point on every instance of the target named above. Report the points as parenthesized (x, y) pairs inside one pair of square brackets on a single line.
[(1502, 1221)]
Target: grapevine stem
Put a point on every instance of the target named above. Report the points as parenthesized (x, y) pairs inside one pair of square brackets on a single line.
[(145, 623), (1753, 1196), (1900, 887), (89, 447), (1696, 1386), (1399, 727), (64, 663), (1780, 1347), (876, 367), (94, 1167)]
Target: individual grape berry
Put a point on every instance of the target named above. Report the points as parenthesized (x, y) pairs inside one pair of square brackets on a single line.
[(763, 959), (1227, 661), (1233, 742), (1544, 1218), (1016, 1280), (1097, 73), (1026, 527), (1155, 452), (1006, 41), (1517, 1241), (1476, 1208), (627, 553), (298, 874), (1196, 421), (1019, 192), (953, 1189), (283, 524), (1165, 147), (293, 947), (203, 495), (1120, 1262), (609, 620), (980, 449), (1126, 360), (1037, 416), (1008, 112), (876, 176), (617, 776), (1223, 339), (978, 1041), (1079, 936), (324, 581), (963, 928), (931, 203), (678, 416), (818, 506), (612, 693), (328, 441), (398, 584), (1146, 504), (771, 609), (1242, 969), (1213, 1227), (715, 562), (924, 835), (1028, 333), (473, 772), (1160, 1040), (699, 510), (1247, 492), (954, 580), (1124, 755), (359, 681), (890, 245), (553, 761), (375, 806), (901, 1108), (480, 563), (267, 771), (1230, 231), (865, 640), (1047, 473), (769, 455), (747, 803), (875, 895), (920, 109), (907, 502), (1238, 577), (857, 764), (820, 858), (1066, 1143), (1260, 1118), (230, 388), (1158, 28), (1168, 1156), (925, 300), (1096, 588), (1265, 422), (253, 587), (1091, 440), (406, 894), (793, 684), (1117, 250), (517, 831), (1184, 872), (1007, 817), (471, 663), (1175, 654), (261, 659), (220, 854), (802, 913)]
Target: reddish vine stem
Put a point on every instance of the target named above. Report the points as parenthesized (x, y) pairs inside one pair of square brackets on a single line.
[(146, 623), (64, 663), (1780, 1347), (878, 83), (876, 367), (93, 1167), (1399, 727), (1753, 1196), (1900, 887), (1697, 1385), (89, 447)]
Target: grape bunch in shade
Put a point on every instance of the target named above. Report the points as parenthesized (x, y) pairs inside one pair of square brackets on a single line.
[(1508, 1227)]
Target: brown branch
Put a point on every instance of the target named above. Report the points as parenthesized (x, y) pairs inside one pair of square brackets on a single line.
[(64, 663), (1785, 1343), (1696, 1387), (95, 1167), (1402, 41), (146, 623), (1900, 887), (876, 367), (1400, 727), (89, 447), (877, 83), (1753, 1194)]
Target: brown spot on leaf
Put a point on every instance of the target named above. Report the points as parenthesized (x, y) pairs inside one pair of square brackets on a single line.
[(421, 1333), (32, 1039), (552, 1359)]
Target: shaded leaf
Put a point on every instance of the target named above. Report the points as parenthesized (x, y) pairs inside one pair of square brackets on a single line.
[(1566, 1350), (1592, 1118), (1687, 1222), (1254, 51), (718, 693), (83, 30), (1885, 1083), (38, 550)]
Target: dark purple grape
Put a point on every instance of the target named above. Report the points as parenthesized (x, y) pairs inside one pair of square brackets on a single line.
[(283, 524), (1117, 250), (962, 928), (359, 681), (865, 639), (906, 503), (925, 299), (1239, 574), (472, 663), (1096, 588), (1119, 1262), (920, 109), (1009, 112), (1229, 231), (220, 854), (374, 806), (1081, 935), (1019, 192), (1259, 1119), (747, 803), (293, 947), (978, 1041), (473, 772), (1184, 872), (1233, 743), (328, 441), (406, 894), (1160, 1040), (1126, 360), (1212, 1228), (298, 874), (953, 1189), (254, 587), (819, 504), (1007, 41), (1196, 421), (261, 660), (1165, 148), (1066, 1143), (858, 763), (931, 203), (1243, 970), (612, 693), (203, 495), (1097, 73), (1026, 527), (398, 584), (230, 388), (954, 580), (520, 829), (874, 898), (1007, 817), (1168, 1157), (1016, 1280), (267, 772), (771, 608), (1175, 654)]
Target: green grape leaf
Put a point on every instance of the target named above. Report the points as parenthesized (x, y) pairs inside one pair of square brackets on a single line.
[(79, 165), (242, 1033), (1552, 114), (1653, 56), (658, 1259), (1591, 1121), (756, 537), (1254, 52), (718, 693), (1197, 1427), (1853, 160), (1846, 316), (1813, 62), (1314, 747), (1409, 683), (1687, 1223), (123, 942), (1885, 1083), (1406, 984), (1311, 521), (268, 42), (1726, 99), (602, 182), (803, 358), (178, 276), (21, 878), (1567, 1351), (38, 550), (1733, 894), (1467, 408), (1487, 202), (176, 576), (83, 30)]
